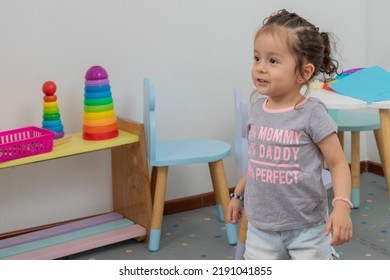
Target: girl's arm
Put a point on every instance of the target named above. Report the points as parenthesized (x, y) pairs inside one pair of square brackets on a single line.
[(234, 208), (339, 220)]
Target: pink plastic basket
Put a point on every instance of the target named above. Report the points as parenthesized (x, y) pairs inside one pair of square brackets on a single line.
[(24, 142)]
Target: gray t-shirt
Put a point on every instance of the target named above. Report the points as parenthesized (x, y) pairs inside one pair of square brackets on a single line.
[(284, 189)]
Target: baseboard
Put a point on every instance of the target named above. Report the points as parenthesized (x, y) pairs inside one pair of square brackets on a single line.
[(207, 199), (373, 167)]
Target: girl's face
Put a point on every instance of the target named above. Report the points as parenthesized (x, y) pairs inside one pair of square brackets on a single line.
[(274, 68)]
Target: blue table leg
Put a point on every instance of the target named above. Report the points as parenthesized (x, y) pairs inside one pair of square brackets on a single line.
[(154, 240), (355, 197)]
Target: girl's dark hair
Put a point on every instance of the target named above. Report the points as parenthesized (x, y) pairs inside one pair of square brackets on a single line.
[(306, 42)]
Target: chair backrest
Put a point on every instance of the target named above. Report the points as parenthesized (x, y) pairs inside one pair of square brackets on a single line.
[(240, 137), (150, 120)]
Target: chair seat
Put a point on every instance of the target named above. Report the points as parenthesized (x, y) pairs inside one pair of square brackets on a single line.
[(175, 152), (354, 121)]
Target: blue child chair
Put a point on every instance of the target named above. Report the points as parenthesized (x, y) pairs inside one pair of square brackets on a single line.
[(241, 159), (354, 122), (162, 154)]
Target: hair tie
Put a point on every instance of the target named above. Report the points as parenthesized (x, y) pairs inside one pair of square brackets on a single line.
[(269, 17), (272, 14)]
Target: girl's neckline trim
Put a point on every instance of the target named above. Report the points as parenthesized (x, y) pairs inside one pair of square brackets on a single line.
[(283, 110)]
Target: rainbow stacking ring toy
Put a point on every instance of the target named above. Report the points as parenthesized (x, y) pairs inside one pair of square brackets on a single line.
[(99, 122), (51, 113)]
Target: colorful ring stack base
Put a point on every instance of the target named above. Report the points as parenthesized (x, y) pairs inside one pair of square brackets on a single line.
[(99, 120)]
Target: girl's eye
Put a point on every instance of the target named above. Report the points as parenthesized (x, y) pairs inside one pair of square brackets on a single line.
[(272, 61), (257, 59)]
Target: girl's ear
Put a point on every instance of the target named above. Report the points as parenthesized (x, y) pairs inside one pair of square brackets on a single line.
[(308, 70)]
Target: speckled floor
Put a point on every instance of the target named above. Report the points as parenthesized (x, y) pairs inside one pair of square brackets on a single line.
[(199, 235), (371, 222)]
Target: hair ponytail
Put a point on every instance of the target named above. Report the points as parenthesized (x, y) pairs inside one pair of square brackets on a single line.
[(329, 65)]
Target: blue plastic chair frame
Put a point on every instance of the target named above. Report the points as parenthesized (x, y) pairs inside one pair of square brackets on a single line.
[(162, 154)]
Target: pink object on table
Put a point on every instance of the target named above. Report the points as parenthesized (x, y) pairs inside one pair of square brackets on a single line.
[(23, 142)]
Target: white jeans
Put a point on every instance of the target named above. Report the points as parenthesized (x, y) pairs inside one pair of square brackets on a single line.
[(300, 244)]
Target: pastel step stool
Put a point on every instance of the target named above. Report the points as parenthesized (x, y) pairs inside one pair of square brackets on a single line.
[(70, 238), (355, 122)]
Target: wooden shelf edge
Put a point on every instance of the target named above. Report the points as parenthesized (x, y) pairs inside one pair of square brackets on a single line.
[(75, 146), (130, 177)]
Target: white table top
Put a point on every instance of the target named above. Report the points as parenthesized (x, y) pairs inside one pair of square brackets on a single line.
[(334, 100), (380, 105)]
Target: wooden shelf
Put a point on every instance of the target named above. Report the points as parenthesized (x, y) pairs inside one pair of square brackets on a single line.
[(131, 198), (76, 145)]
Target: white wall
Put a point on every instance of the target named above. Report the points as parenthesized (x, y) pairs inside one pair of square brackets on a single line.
[(194, 51), (378, 52)]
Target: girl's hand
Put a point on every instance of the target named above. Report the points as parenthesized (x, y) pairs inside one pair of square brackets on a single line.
[(340, 222), (234, 211)]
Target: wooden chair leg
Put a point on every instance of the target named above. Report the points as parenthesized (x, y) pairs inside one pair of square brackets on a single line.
[(355, 168), (379, 143), (218, 205), (153, 182), (158, 207), (384, 131), (221, 191), (243, 228), (240, 248), (355, 165)]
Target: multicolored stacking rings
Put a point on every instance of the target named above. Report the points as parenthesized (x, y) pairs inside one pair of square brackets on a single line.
[(100, 122), (51, 113)]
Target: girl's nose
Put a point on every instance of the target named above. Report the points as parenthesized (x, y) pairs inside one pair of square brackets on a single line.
[(261, 67)]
